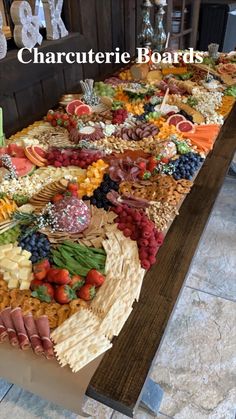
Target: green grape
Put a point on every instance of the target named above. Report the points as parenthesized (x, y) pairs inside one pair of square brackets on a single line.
[(10, 236)]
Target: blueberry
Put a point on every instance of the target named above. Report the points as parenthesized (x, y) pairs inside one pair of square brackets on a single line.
[(33, 259), (99, 204), (93, 201)]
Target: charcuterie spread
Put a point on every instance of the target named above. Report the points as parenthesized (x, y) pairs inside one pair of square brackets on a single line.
[(87, 195)]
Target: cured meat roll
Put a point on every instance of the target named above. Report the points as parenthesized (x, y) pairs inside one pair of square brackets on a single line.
[(42, 324), (32, 331), (18, 321), (8, 323), (3, 331)]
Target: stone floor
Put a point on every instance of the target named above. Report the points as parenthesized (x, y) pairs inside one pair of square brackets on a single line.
[(197, 361)]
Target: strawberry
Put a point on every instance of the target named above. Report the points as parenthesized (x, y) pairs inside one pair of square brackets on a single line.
[(72, 187), (95, 278), (58, 197), (35, 283), (76, 282), (64, 294), (58, 276), (152, 163), (165, 160), (41, 265), (44, 292), (87, 292), (40, 275)]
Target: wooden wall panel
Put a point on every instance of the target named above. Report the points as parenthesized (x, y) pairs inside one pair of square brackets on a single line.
[(104, 31), (52, 88), (72, 77), (30, 103)]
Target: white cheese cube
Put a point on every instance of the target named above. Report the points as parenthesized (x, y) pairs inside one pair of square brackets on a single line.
[(9, 265), (25, 285), (18, 259), (13, 283), (7, 276), (24, 274), (6, 247), (2, 256), (26, 254), (25, 263)]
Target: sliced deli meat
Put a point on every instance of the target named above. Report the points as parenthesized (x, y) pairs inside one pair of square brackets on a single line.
[(3, 331), (32, 331), (43, 328), (18, 321), (8, 323)]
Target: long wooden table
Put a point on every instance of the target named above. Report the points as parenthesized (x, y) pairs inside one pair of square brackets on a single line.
[(120, 378)]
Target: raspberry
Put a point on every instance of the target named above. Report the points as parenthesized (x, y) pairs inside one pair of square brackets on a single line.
[(152, 260), (127, 232), (143, 254), (121, 226), (145, 264), (143, 242), (57, 163), (146, 234)]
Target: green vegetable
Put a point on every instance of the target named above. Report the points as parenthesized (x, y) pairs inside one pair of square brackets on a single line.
[(79, 259), (186, 76), (20, 199), (209, 61), (182, 147), (10, 236), (192, 101), (230, 91)]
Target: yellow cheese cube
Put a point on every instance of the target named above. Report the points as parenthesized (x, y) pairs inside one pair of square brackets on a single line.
[(18, 259), (13, 283), (7, 276)]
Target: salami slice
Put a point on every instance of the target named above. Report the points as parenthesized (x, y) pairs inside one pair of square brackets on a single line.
[(42, 324), (3, 331), (17, 318), (31, 328), (7, 322)]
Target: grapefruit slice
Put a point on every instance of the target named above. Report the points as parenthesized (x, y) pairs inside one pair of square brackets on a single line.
[(23, 166), (39, 153), (185, 126), (83, 110), (31, 156), (70, 109), (175, 119)]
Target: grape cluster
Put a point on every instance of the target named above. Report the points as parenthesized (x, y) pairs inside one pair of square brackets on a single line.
[(186, 165), (36, 243), (148, 107), (10, 236), (99, 198)]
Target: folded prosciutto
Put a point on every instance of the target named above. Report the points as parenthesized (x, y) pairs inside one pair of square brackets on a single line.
[(18, 322), (32, 331), (42, 324), (8, 323), (3, 331)]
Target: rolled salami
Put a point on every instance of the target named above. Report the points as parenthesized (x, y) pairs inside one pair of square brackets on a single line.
[(31, 328), (42, 324), (3, 331), (17, 318), (8, 323)]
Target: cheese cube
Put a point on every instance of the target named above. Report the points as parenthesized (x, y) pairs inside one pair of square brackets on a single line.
[(9, 265), (26, 263), (24, 274), (13, 283), (7, 276), (25, 285), (26, 254), (6, 247), (18, 259), (15, 251), (2, 256)]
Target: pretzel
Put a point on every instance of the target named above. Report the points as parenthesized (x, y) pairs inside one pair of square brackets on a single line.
[(51, 311), (76, 305), (4, 299), (3, 285), (63, 314)]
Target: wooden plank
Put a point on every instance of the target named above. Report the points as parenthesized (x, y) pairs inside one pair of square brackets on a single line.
[(104, 31), (72, 77), (89, 29), (15, 75), (117, 19), (130, 26), (138, 19), (53, 88), (195, 19), (120, 378), (10, 115), (30, 104)]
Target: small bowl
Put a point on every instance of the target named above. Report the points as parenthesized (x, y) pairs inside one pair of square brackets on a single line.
[(65, 99)]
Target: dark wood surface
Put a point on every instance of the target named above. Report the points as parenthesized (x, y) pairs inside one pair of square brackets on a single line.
[(119, 379)]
